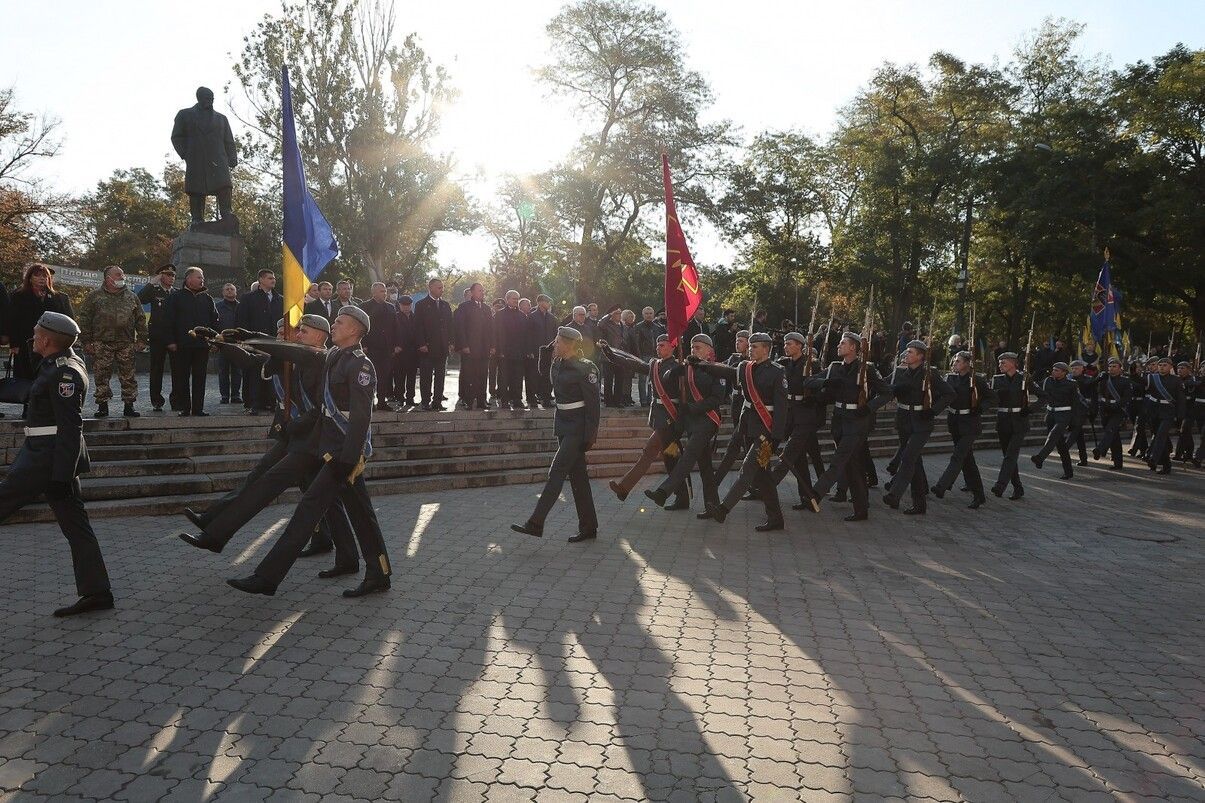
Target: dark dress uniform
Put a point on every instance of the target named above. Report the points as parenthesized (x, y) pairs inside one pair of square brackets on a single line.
[(1012, 425), (433, 332), (916, 409), (851, 425), (1197, 404), (1062, 398), (667, 426), (575, 384), (383, 337), (1113, 398), (342, 443), (736, 442), (805, 416), (154, 295), (1166, 397), (965, 421), (703, 396), (541, 330), (50, 461), (1184, 439)]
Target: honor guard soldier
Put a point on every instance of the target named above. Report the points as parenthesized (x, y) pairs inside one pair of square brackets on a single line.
[(575, 387), (1113, 393), (920, 394), (54, 455), (665, 418), (1140, 445), (344, 443), (1061, 396), (805, 415), (1012, 421), (736, 444), (764, 389), (702, 397), (856, 395), (1165, 393), (1196, 403), (1184, 439), (1085, 408), (965, 421)]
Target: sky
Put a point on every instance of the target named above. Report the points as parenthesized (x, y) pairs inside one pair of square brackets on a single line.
[(115, 72)]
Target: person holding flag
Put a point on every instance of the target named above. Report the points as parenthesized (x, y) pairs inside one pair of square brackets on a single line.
[(682, 292)]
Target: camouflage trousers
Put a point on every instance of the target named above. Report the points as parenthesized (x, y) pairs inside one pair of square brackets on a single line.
[(107, 357)]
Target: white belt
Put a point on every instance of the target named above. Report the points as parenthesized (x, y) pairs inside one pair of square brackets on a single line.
[(959, 412), (1199, 401), (916, 408), (795, 398), (1161, 401), (1009, 409), (31, 432), (749, 404), (1060, 409), (656, 400), (845, 406), (577, 405), (345, 413)]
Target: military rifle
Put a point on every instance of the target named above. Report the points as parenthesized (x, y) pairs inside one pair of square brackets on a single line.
[(867, 335), (1026, 367), (926, 380), (807, 368), (971, 335)]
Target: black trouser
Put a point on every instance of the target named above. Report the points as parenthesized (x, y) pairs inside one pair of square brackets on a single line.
[(754, 475), (696, 452), (510, 386), (326, 488), (537, 392), (622, 392), (29, 476), (1184, 440), (913, 432), (1111, 420), (1056, 438), (405, 376), (868, 467), (794, 459), (964, 429), (382, 363), (432, 369), (849, 432), (569, 462), (1011, 429), (188, 378), (1075, 435), (490, 373), (1163, 422), (735, 448), (1139, 443), (158, 352), (473, 374)]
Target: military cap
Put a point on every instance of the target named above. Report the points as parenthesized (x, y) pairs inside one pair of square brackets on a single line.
[(1167, 360), (405, 300), (742, 333), (662, 338), (568, 332), (1080, 363), (702, 338), (760, 337), (167, 269), (964, 355), (360, 315), (315, 322), (1008, 355), (1183, 364), (59, 323), (852, 337), (919, 345), (1152, 360), (795, 337), (1114, 361), (1060, 366), (907, 324)]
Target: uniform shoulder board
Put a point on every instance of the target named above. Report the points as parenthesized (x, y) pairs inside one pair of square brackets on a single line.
[(61, 361), (357, 351), (995, 376)]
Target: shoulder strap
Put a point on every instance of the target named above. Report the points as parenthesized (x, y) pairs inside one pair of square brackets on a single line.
[(666, 401), (697, 396), (755, 398)]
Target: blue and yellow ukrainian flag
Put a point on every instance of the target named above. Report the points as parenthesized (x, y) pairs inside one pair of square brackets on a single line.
[(309, 244)]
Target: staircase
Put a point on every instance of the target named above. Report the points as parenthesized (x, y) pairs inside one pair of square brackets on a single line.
[(159, 465)]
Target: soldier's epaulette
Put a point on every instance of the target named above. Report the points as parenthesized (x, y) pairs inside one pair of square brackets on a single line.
[(357, 351), (61, 361)]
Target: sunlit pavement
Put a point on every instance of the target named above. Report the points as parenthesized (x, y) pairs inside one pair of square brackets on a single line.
[(1050, 648)]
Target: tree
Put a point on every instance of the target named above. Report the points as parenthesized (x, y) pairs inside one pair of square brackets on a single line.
[(130, 220), (367, 110)]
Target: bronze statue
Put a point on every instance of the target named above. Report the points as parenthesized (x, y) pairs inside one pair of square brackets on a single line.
[(202, 138)]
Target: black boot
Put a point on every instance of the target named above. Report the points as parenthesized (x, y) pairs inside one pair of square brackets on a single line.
[(618, 490), (977, 503), (195, 517), (338, 571), (315, 549), (529, 527), (680, 503), (91, 602), (129, 411), (657, 495), (589, 535), (253, 585), (770, 526), (369, 585), (102, 410), (719, 513), (201, 541), (856, 517)]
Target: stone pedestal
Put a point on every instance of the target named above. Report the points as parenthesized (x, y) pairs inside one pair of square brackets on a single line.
[(221, 256)]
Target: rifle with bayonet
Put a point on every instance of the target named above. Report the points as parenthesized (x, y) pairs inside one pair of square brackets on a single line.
[(807, 369), (867, 335), (926, 380), (974, 386), (1026, 368)]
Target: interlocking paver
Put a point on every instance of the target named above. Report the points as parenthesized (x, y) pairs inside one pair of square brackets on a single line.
[(1016, 653)]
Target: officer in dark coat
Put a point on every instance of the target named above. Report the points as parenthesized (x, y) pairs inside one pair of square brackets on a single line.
[(343, 443), (575, 383), (258, 311), (921, 394), (1011, 389), (965, 421), (54, 455), (203, 139), (154, 295), (383, 341), (1061, 396), (433, 340), (511, 346), (473, 324), (541, 330), (188, 308), (1113, 392), (405, 379), (736, 443)]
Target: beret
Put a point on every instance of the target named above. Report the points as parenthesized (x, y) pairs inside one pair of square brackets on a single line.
[(360, 315), (59, 323), (852, 336), (760, 337), (919, 345), (568, 332), (795, 337), (1114, 361), (1008, 355), (743, 333), (315, 322), (662, 338), (1080, 363), (1183, 364), (1062, 366), (701, 338), (1167, 360), (964, 355)]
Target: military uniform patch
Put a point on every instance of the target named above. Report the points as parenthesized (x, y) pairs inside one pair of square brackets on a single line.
[(66, 389), (364, 378), (592, 378)]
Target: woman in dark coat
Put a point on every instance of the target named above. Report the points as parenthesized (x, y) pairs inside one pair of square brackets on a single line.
[(37, 295)]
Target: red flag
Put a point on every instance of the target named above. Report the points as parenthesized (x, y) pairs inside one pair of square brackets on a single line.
[(682, 293)]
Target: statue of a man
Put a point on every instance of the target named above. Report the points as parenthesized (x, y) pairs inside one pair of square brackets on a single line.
[(203, 139)]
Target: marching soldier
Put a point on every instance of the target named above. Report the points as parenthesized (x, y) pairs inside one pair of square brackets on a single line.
[(1061, 396), (1140, 445), (1012, 421), (920, 394), (1165, 393), (805, 415), (1184, 440), (1113, 392), (1197, 412), (1085, 408), (575, 387), (854, 406), (736, 444), (764, 388), (703, 395), (965, 421), (344, 443), (665, 418), (54, 455)]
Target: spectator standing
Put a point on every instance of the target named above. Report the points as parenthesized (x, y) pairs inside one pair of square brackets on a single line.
[(474, 327), (510, 346), (433, 336), (113, 327), (406, 365), (647, 332), (323, 303), (495, 393), (382, 342), (153, 295), (230, 376), (259, 311), (541, 332), (724, 334), (344, 296), (628, 318), (697, 325), (190, 307), (610, 329), (36, 296)]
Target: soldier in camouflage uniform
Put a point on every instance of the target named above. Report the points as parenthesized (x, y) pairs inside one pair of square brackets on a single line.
[(112, 328)]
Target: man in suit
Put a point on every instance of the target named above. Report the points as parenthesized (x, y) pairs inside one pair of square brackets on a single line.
[(433, 338), (474, 328), (259, 311), (323, 303), (406, 364), (510, 326), (345, 296), (541, 330), (382, 340), (190, 307)]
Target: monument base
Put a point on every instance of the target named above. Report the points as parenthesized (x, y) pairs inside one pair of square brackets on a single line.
[(221, 256)]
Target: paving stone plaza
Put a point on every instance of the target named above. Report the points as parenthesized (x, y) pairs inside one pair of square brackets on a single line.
[(1048, 649)]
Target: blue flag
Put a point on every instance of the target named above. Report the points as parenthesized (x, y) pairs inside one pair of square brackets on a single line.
[(309, 244), (1106, 303)]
